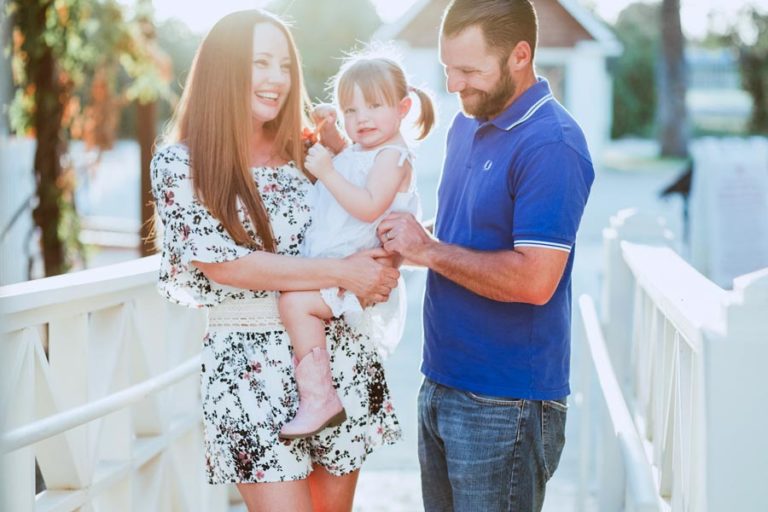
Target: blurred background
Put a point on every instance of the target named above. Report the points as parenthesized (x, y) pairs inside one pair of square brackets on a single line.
[(88, 86), (672, 95)]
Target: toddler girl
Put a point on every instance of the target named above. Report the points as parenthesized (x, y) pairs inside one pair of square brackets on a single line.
[(354, 190)]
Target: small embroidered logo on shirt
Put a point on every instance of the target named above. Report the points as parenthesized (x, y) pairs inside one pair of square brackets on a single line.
[(488, 165)]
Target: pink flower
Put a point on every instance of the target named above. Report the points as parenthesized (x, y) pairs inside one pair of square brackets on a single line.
[(260, 475), (168, 195)]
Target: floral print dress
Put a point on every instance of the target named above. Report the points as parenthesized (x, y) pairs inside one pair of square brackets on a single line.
[(248, 388)]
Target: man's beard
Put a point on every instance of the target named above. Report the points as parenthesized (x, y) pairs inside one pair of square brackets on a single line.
[(490, 104)]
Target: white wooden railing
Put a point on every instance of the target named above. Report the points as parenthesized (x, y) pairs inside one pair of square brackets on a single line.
[(616, 452), (689, 358), (100, 386)]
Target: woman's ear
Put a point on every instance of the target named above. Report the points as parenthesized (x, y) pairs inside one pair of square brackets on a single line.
[(405, 106)]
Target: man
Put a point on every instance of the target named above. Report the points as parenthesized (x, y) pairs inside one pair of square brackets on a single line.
[(497, 308)]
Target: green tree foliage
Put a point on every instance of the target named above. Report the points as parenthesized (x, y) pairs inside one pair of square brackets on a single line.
[(59, 49), (179, 44), (324, 31), (634, 98)]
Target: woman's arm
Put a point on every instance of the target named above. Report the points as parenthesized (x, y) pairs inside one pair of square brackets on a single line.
[(364, 203), (360, 273)]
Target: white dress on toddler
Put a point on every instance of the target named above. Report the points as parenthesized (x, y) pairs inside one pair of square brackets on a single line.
[(335, 233)]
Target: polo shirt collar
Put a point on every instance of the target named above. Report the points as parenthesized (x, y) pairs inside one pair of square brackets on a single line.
[(525, 106)]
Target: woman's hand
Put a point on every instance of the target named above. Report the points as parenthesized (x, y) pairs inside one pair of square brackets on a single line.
[(319, 161), (369, 280), (392, 259)]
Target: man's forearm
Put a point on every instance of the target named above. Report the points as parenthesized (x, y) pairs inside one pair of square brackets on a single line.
[(528, 274), (504, 276)]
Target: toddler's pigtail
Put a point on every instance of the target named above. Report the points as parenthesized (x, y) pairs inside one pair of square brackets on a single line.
[(426, 119)]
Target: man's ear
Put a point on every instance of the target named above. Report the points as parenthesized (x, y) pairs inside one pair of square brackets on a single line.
[(520, 56), (405, 106)]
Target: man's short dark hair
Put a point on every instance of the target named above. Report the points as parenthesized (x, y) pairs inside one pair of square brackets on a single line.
[(504, 22)]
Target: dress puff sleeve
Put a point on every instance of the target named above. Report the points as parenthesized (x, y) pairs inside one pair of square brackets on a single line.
[(190, 233)]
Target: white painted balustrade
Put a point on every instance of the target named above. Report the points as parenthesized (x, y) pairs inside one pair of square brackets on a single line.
[(690, 358), (100, 384), (625, 478)]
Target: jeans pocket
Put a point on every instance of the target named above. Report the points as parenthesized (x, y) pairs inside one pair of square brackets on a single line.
[(553, 415), (493, 400), (560, 405)]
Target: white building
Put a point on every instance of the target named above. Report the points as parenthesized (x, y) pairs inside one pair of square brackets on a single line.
[(573, 50)]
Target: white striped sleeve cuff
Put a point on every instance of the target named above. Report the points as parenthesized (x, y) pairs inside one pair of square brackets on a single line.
[(544, 245)]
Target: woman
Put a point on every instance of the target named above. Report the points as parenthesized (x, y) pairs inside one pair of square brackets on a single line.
[(233, 200)]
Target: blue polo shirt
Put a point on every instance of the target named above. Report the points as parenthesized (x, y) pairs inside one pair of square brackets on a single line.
[(519, 180)]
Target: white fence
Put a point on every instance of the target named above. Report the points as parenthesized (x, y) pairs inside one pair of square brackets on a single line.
[(100, 386), (689, 361)]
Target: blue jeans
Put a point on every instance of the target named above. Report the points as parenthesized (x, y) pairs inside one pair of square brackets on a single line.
[(486, 453)]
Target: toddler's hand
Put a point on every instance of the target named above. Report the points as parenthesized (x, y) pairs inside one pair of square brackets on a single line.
[(324, 117), (323, 113), (319, 161)]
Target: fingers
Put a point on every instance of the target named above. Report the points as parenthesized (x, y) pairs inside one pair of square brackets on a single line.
[(390, 222), (380, 298), (390, 260), (323, 109), (390, 246), (330, 117), (377, 252), (390, 279)]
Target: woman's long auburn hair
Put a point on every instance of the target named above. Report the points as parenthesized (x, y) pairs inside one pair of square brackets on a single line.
[(213, 119)]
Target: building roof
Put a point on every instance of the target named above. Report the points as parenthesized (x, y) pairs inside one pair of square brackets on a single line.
[(562, 24)]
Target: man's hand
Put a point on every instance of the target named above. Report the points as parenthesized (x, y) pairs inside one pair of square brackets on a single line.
[(401, 233), (319, 161)]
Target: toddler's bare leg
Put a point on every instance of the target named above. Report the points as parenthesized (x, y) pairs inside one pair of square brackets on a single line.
[(304, 314)]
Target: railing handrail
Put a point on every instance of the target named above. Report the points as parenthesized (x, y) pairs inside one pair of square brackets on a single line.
[(640, 482), (80, 285), (692, 302), (76, 416)]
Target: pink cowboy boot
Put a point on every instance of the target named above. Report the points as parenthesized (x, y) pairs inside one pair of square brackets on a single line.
[(319, 405)]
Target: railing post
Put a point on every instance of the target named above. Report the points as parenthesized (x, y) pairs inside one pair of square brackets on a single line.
[(736, 446), (17, 487), (619, 285)]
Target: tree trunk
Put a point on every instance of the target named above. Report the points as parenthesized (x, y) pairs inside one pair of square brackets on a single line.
[(146, 135), (50, 98), (754, 81), (672, 111)]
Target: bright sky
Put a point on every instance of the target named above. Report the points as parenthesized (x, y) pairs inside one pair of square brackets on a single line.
[(695, 13)]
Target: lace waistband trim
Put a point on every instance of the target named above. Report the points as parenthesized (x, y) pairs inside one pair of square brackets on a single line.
[(249, 315)]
